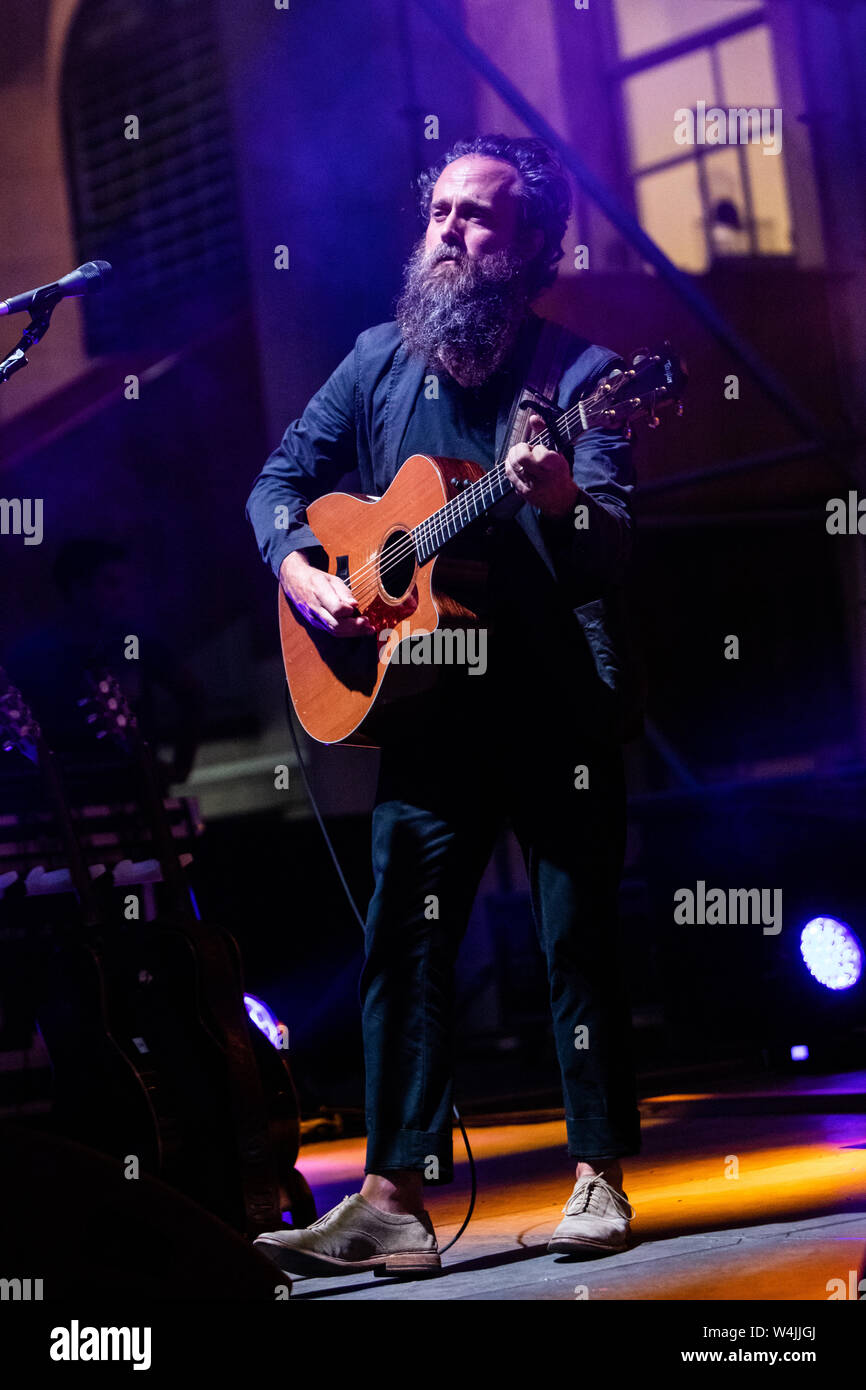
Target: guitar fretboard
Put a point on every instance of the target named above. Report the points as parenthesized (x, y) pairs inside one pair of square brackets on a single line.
[(429, 537)]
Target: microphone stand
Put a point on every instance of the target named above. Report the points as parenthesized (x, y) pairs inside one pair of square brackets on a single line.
[(40, 317)]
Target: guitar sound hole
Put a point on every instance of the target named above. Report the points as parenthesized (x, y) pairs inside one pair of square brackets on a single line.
[(397, 564)]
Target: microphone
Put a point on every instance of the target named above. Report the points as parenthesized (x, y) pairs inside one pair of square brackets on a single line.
[(87, 279)]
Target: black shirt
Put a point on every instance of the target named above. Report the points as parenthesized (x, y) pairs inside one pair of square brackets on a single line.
[(461, 423), (524, 610)]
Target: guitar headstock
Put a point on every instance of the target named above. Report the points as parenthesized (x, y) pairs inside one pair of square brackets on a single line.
[(108, 710), (650, 380), (18, 726)]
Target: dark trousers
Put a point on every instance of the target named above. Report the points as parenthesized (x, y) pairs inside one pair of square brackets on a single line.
[(442, 800)]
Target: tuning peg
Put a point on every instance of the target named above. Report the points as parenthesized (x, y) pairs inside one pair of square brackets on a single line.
[(654, 422)]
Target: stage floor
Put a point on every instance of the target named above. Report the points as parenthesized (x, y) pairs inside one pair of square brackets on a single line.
[(793, 1219)]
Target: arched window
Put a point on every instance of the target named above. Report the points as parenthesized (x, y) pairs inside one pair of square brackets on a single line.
[(151, 170)]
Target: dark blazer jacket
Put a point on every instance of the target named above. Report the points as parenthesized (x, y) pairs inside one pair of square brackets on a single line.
[(357, 420)]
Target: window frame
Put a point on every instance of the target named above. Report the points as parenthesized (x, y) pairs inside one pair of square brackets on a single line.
[(617, 72)]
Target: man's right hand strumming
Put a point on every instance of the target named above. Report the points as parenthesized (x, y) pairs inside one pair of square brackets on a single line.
[(322, 598)]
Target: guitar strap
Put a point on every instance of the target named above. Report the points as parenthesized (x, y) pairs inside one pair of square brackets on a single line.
[(540, 383)]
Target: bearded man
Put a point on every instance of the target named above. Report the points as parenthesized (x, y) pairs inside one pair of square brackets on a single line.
[(534, 742)]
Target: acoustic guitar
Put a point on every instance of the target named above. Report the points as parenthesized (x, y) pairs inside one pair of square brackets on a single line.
[(385, 550)]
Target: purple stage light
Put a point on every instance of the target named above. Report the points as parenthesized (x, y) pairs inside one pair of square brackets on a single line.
[(832, 952), (799, 1053), (264, 1020)]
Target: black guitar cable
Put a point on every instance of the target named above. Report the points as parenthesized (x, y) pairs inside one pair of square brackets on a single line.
[(354, 907)]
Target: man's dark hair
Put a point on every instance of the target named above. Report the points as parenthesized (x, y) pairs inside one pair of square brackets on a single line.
[(79, 561), (545, 199)]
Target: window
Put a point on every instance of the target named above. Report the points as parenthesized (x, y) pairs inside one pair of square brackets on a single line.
[(646, 24), (722, 192)]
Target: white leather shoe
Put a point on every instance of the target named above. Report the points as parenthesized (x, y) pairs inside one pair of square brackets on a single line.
[(355, 1236), (596, 1219)]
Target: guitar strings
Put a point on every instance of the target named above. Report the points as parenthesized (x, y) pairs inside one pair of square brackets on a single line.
[(451, 509), (439, 522)]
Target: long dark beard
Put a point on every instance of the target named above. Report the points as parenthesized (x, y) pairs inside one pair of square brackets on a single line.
[(464, 319)]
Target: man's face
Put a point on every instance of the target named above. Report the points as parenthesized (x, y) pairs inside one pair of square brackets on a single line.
[(473, 209), (465, 286)]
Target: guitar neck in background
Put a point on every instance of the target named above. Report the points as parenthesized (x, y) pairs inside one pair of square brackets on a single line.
[(20, 729)]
